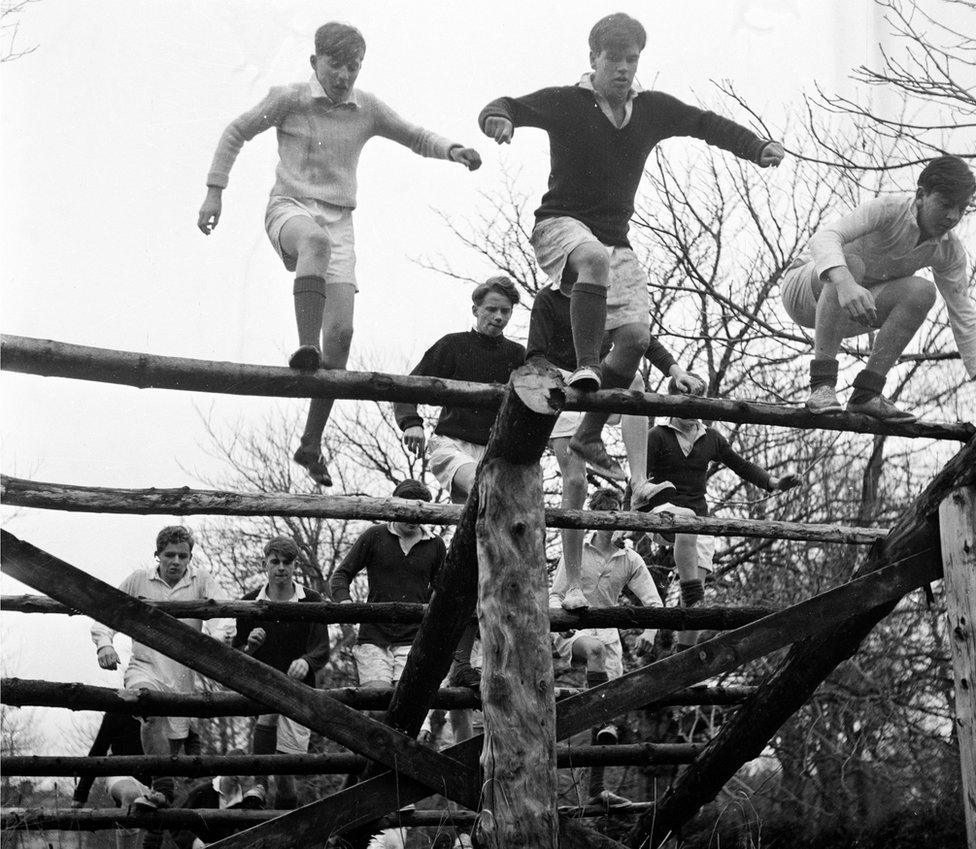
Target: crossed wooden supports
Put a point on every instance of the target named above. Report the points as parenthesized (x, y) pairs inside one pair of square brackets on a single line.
[(826, 629)]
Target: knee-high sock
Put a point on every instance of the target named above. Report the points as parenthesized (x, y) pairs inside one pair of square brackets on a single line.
[(265, 743), (588, 314), (462, 654), (866, 385), (594, 679), (309, 291)]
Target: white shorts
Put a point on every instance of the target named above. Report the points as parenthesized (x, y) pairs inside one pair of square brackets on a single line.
[(447, 455), (705, 543), (378, 665), (569, 420), (292, 737), (336, 221), (610, 638), (796, 292), (174, 727), (628, 301)]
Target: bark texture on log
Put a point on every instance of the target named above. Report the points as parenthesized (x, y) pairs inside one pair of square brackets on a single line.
[(59, 359), (29, 692), (675, 618), (912, 544), (518, 762), (19, 492), (957, 520)]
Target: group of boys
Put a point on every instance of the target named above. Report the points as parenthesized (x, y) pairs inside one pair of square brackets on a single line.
[(858, 275)]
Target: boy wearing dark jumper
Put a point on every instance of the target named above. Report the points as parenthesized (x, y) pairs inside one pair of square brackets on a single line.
[(322, 126), (550, 339), (299, 649), (601, 132), (679, 455)]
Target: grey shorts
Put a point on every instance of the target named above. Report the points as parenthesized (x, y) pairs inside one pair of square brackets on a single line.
[(628, 301)]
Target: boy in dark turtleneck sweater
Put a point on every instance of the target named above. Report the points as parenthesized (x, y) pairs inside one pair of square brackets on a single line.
[(482, 355)]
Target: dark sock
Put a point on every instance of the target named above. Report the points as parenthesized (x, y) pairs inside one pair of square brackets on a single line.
[(462, 654), (588, 314), (309, 294), (692, 592), (264, 743), (866, 385), (285, 803), (153, 839), (595, 679), (823, 372), (166, 785)]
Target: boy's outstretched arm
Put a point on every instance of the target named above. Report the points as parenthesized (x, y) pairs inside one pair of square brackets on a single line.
[(752, 473), (499, 118)]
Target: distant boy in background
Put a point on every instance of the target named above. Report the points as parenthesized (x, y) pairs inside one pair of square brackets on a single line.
[(299, 649), (322, 126), (679, 455)]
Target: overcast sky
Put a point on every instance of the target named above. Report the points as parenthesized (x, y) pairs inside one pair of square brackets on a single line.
[(108, 130)]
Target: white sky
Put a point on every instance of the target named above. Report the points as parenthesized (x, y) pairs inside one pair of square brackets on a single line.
[(107, 134)]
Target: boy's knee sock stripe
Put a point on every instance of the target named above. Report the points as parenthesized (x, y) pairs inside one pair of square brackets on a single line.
[(595, 679), (265, 740), (692, 592), (309, 284), (823, 372), (588, 316)]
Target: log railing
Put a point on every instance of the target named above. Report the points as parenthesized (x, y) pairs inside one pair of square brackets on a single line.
[(48, 358), (18, 492)]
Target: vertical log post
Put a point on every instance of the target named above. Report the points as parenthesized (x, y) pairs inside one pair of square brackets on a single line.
[(957, 527), (519, 756)]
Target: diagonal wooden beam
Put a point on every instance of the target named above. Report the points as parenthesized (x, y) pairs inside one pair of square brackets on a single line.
[(81, 362), (913, 543), (127, 614)]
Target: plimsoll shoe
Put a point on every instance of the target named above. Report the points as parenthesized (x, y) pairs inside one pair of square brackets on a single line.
[(306, 358), (606, 799), (608, 735), (586, 379), (823, 399), (151, 800), (597, 460), (311, 459), (879, 407)]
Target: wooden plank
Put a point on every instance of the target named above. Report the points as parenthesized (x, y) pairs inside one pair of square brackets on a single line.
[(233, 668), (59, 359), (957, 527), (675, 618), (518, 761), (913, 539), (19, 492), (29, 692), (567, 757)]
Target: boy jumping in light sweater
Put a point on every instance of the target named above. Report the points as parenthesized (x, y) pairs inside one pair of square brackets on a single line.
[(322, 126)]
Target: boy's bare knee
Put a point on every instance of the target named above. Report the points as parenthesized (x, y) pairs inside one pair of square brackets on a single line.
[(595, 651), (316, 245), (632, 339), (590, 262), (920, 293)]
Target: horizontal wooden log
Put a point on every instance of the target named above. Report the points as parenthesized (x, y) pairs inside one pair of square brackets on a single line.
[(26, 692), (673, 618), (19, 492), (48, 358), (99, 819), (637, 754), (175, 639)]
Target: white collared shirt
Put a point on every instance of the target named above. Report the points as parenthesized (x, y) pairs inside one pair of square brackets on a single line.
[(424, 534), (686, 441), (227, 801), (352, 100), (298, 593), (586, 81)]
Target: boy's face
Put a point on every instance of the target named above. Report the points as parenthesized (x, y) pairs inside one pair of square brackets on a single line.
[(614, 68), (281, 568), (492, 314), (174, 560), (937, 215), (336, 76)]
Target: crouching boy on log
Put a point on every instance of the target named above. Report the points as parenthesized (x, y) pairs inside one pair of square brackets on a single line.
[(606, 572), (322, 126), (858, 275), (299, 649)]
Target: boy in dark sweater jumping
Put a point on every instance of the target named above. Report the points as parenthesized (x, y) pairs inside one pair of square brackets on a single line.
[(601, 132), (299, 649), (679, 454)]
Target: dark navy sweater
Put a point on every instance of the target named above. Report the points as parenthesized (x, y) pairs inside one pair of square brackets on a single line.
[(595, 167), (464, 356)]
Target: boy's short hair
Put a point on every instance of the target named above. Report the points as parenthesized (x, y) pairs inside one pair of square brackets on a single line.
[(341, 42), (411, 488), (501, 285), (673, 386), (173, 535), (616, 30), (950, 176), (283, 545), (604, 497)]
